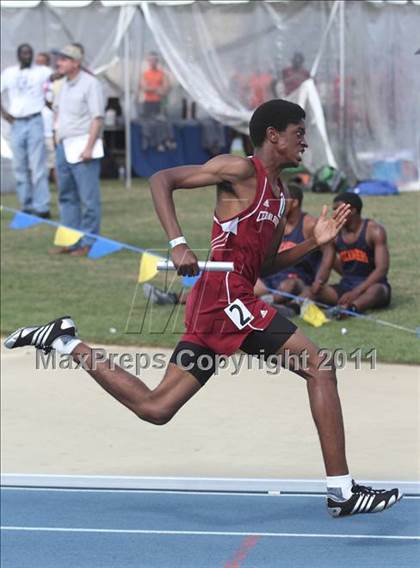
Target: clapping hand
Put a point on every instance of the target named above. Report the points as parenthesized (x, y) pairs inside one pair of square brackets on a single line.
[(327, 228)]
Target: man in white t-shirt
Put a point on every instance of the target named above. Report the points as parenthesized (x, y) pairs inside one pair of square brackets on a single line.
[(24, 84)]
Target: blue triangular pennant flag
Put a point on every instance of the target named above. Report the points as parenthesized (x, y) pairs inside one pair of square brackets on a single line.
[(102, 247), (189, 281), (24, 221)]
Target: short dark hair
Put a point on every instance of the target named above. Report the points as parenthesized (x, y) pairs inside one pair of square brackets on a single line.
[(351, 198), (277, 113), (295, 191)]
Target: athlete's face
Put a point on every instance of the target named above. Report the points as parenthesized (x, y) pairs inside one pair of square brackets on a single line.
[(290, 143), (296, 141)]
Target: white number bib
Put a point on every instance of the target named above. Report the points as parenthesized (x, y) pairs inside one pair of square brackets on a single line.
[(239, 313)]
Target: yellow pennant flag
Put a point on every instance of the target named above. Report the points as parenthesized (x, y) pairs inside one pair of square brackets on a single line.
[(148, 267), (66, 237), (310, 313)]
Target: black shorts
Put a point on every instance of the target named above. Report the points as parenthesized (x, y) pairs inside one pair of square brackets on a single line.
[(201, 361)]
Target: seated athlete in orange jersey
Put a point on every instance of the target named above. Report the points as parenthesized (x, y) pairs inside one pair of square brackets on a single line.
[(363, 261)]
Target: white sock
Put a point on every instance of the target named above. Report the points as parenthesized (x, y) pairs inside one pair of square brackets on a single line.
[(342, 482), (65, 344)]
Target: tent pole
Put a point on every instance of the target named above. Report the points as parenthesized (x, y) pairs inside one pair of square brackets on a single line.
[(342, 92), (333, 12), (127, 110)]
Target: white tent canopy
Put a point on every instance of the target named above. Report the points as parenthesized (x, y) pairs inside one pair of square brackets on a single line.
[(119, 3), (361, 109)]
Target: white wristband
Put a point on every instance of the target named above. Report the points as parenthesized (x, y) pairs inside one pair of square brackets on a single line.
[(178, 241)]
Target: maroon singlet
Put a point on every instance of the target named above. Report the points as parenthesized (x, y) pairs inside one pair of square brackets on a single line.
[(243, 240)]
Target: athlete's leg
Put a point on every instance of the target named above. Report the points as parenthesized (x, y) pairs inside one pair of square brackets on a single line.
[(328, 295), (344, 496), (156, 406), (306, 292), (376, 296), (190, 367), (290, 286), (324, 401)]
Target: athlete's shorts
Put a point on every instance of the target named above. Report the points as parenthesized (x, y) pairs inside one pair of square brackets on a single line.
[(222, 311), (348, 284), (200, 361)]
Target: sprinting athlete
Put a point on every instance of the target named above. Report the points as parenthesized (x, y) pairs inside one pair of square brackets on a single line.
[(222, 313), (363, 255)]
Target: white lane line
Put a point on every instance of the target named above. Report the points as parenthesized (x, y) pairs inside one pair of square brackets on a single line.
[(177, 492), (209, 533)]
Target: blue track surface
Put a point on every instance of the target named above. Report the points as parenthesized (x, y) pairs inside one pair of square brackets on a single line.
[(133, 529)]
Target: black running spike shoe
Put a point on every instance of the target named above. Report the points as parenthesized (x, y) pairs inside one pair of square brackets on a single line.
[(363, 500), (41, 336)]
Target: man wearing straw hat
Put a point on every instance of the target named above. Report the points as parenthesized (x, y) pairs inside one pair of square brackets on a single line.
[(79, 111)]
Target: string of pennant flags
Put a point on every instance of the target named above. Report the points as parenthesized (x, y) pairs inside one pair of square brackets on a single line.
[(104, 246)]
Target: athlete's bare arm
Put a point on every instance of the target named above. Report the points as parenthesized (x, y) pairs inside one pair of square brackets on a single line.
[(337, 266), (327, 259), (325, 267), (235, 169), (325, 230), (376, 237)]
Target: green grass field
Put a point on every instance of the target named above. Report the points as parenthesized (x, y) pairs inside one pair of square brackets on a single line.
[(101, 294)]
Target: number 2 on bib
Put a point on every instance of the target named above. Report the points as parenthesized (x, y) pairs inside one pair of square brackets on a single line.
[(239, 313)]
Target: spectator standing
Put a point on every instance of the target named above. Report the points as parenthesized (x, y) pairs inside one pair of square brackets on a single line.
[(48, 116), (79, 111), (154, 86), (295, 75), (24, 84)]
